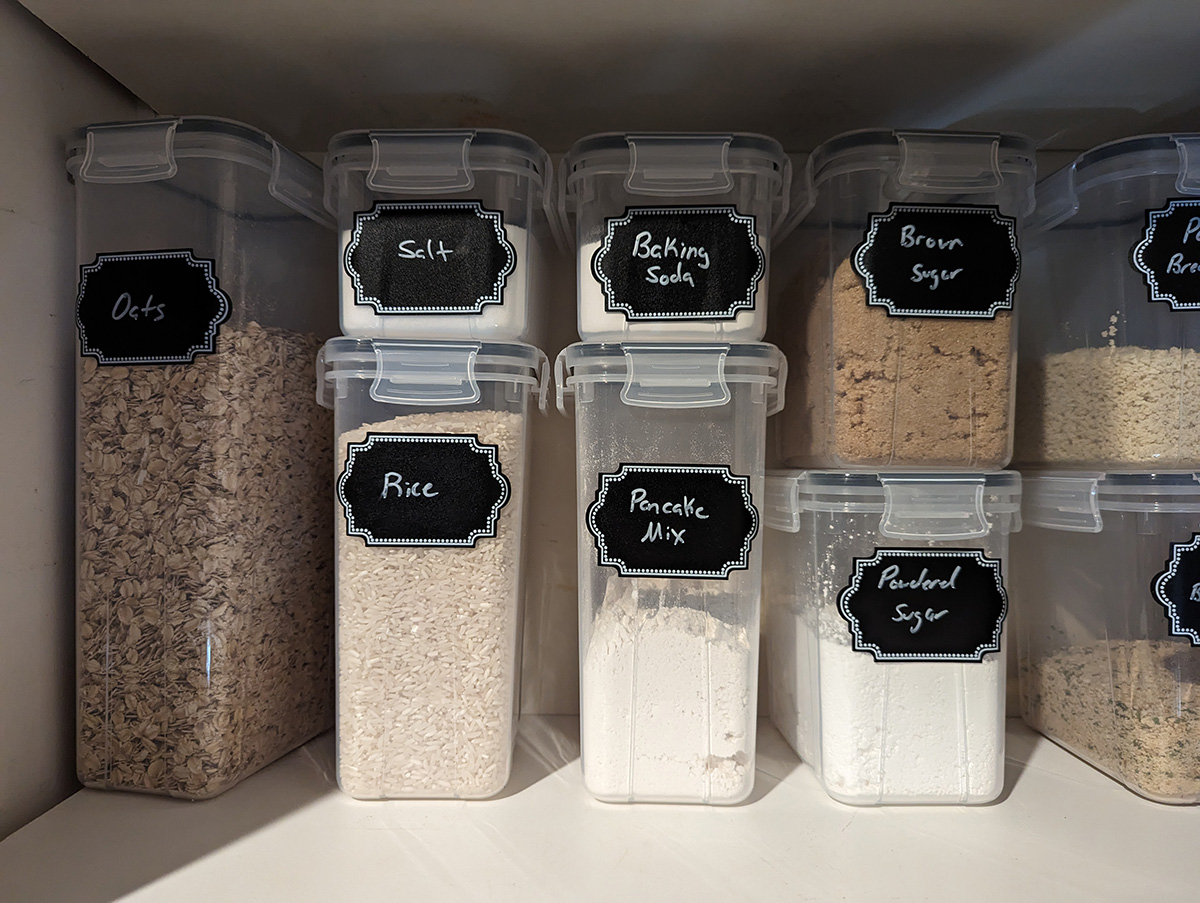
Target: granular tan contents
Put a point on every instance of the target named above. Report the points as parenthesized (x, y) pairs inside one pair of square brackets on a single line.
[(1111, 405), (427, 641), (1129, 708), (205, 577), (894, 390)]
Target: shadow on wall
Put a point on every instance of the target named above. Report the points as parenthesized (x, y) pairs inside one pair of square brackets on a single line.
[(560, 71), (1131, 72)]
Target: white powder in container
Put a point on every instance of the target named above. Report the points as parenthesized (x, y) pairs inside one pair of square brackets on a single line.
[(598, 324), (668, 710), (507, 321), (427, 642), (910, 732), (875, 732)]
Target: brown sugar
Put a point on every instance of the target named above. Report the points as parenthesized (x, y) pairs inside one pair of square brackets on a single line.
[(871, 390)]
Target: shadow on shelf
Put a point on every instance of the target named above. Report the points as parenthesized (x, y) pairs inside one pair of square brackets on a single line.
[(116, 843)]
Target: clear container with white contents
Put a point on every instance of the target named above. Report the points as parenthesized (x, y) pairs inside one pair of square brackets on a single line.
[(442, 233), (670, 444), (884, 605), (430, 475), (674, 233), (1110, 345), (1108, 623)]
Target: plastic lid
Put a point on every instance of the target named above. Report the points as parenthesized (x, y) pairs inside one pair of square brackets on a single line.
[(1129, 158), (148, 150), (935, 162), (1075, 501), (675, 375), (427, 373), (940, 507), (432, 161)]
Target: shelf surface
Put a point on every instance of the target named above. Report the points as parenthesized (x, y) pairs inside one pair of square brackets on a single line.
[(1061, 832)]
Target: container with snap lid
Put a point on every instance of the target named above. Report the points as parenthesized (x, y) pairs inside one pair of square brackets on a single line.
[(1108, 596), (669, 449), (442, 232), (204, 592), (897, 310), (884, 602), (1110, 345), (431, 478), (673, 233)]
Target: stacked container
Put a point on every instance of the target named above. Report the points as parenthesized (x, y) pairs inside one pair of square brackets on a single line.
[(442, 235), (893, 299), (1108, 431), (205, 579), (671, 392)]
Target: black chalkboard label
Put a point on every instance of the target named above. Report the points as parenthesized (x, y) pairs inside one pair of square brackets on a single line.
[(418, 489), (1178, 589), (679, 263), (940, 261), (149, 307), (1169, 254), (446, 257), (925, 605), (673, 520)]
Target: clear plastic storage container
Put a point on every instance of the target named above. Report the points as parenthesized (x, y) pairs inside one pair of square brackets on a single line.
[(674, 233), (1110, 346), (1108, 624), (669, 446), (884, 604), (894, 302), (431, 470), (442, 233), (205, 576)]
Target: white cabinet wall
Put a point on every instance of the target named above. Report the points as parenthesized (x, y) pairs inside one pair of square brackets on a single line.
[(46, 89)]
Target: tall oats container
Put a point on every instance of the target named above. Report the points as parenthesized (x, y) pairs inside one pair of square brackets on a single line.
[(205, 574)]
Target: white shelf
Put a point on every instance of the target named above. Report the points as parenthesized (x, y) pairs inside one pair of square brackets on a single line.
[(1062, 832)]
